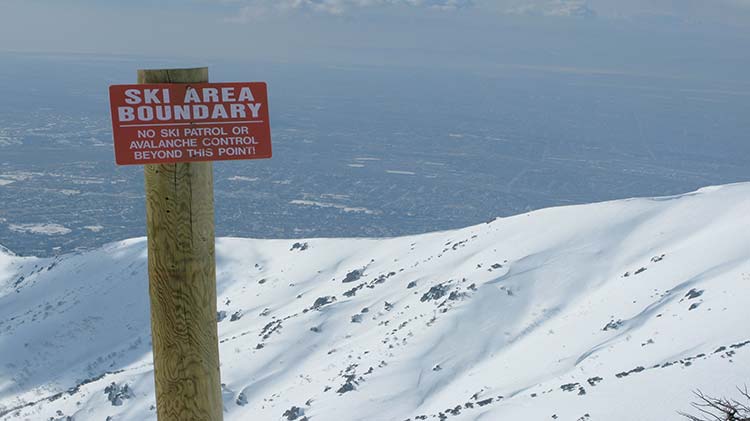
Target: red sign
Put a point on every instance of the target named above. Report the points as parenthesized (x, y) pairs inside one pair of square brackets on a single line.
[(168, 123)]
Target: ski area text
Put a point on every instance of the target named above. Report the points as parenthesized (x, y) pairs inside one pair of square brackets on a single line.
[(169, 123)]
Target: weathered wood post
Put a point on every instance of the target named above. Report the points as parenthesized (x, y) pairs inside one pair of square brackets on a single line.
[(176, 123), (182, 279)]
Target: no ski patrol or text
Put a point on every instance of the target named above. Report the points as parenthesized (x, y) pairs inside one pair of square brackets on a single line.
[(169, 123)]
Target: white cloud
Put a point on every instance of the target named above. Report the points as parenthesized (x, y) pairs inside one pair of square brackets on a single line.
[(574, 8), (684, 10), (253, 9)]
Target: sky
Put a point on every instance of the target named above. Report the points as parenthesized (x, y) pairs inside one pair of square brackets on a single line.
[(670, 38)]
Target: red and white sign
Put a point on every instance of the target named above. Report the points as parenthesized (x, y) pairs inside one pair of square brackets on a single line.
[(168, 123)]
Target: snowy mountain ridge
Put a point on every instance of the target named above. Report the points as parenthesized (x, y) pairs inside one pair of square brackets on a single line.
[(609, 311)]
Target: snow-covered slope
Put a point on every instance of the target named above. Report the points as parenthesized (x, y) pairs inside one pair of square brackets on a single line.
[(609, 311)]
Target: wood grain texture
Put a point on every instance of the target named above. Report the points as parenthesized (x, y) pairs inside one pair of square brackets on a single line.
[(182, 279)]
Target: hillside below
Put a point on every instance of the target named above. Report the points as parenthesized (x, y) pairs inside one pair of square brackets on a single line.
[(608, 311)]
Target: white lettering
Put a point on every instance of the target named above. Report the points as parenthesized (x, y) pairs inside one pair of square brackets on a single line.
[(163, 113), (246, 95), (200, 112), (145, 113), (227, 94), (132, 96), (144, 155), (237, 111), (182, 112), (210, 95), (254, 108), (219, 112), (150, 96), (191, 95), (125, 114)]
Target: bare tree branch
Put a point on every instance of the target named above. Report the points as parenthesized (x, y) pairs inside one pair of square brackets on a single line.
[(720, 409)]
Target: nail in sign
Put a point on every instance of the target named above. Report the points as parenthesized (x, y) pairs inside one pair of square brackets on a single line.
[(168, 123)]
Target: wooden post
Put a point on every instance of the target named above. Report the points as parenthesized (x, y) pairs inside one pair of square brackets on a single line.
[(182, 279)]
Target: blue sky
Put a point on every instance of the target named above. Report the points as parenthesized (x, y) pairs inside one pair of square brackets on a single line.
[(664, 37)]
